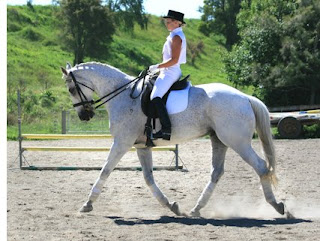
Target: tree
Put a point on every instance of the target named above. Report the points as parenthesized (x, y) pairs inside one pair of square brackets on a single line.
[(251, 60), (29, 4), (279, 51), (219, 16), (87, 26), (300, 53), (128, 12), (253, 8)]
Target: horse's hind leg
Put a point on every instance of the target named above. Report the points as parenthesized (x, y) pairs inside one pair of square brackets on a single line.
[(145, 157), (218, 156), (259, 165)]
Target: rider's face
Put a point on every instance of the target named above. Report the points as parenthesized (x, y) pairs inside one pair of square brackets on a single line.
[(171, 24)]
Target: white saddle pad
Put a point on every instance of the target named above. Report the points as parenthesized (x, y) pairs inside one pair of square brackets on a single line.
[(178, 100)]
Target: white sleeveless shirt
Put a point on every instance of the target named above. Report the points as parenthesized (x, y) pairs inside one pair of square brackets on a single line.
[(167, 51)]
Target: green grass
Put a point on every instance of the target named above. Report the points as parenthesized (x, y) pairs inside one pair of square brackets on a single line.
[(40, 127), (35, 54), (134, 52)]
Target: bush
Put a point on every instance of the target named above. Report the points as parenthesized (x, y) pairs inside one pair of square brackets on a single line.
[(31, 34), (48, 42), (13, 27), (311, 131), (47, 99), (15, 15), (12, 119), (194, 50)]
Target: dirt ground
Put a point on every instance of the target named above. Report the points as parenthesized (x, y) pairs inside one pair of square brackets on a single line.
[(44, 205)]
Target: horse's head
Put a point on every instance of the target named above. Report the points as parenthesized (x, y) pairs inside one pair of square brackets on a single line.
[(81, 90)]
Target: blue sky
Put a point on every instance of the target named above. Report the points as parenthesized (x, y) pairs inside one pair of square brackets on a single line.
[(155, 7)]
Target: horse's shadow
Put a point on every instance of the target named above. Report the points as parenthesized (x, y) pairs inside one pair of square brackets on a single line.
[(234, 222)]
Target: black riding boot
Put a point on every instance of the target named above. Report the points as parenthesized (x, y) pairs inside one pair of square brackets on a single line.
[(165, 132)]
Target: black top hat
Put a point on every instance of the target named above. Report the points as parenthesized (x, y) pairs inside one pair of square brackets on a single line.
[(175, 15)]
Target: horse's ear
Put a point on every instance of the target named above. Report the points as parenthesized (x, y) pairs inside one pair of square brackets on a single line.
[(68, 66), (64, 71)]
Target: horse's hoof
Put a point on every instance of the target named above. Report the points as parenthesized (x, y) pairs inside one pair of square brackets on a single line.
[(195, 213), (289, 215), (86, 208), (175, 208), (280, 208)]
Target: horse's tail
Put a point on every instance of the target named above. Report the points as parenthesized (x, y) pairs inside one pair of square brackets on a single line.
[(264, 132)]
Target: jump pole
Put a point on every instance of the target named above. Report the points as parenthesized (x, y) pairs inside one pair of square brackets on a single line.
[(72, 168), (86, 149), (67, 136)]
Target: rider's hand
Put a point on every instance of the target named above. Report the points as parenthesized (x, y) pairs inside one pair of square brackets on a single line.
[(154, 68)]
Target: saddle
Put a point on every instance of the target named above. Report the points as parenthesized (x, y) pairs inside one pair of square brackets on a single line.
[(146, 104), (148, 107)]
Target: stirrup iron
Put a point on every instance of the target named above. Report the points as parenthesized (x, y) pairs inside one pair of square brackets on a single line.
[(161, 134)]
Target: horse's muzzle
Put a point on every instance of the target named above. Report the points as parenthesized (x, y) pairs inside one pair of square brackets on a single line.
[(86, 114)]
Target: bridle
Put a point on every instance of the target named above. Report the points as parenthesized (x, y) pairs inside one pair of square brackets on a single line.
[(87, 104), (83, 98)]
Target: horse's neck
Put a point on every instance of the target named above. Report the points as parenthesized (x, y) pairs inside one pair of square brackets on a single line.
[(107, 79)]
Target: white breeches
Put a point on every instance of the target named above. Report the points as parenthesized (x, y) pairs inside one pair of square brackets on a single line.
[(164, 81)]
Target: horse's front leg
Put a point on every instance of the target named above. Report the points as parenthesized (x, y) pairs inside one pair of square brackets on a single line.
[(116, 153), (145, 157)]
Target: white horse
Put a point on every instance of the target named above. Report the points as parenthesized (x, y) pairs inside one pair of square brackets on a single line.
[(227, 115)]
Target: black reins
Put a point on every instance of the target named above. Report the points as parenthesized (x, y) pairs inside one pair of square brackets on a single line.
[(87, 103)]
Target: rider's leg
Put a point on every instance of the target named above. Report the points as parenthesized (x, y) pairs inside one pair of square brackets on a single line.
[(161, 109), (163, 83)]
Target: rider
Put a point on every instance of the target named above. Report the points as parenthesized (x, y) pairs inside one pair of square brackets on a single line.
[(174, 53)]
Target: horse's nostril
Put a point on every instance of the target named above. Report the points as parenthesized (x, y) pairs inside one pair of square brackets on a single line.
[(72, 91)]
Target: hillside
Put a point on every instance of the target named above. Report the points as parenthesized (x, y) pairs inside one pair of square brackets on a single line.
[(35, 54)]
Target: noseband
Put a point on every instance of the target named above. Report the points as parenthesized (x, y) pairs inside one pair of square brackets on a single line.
[(84, 101), (88, 103)]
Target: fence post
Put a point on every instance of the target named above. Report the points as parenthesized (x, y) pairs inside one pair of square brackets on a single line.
[(19, 128), (64, 122)]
